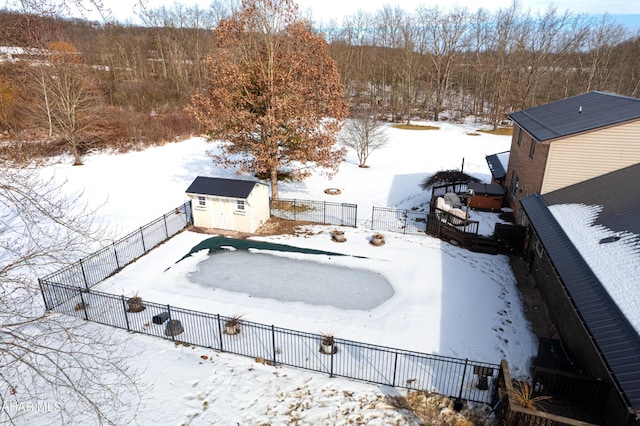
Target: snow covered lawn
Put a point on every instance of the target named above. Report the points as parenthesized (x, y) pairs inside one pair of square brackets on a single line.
[(446, 300)]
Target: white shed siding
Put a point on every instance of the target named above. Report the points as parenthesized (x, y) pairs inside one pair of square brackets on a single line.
[(223, 212), (201, 214), (259, 202), (588, 155)]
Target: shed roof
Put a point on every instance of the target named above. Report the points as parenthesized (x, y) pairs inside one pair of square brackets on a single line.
[(220, 187), (615, 336), (577, 114)]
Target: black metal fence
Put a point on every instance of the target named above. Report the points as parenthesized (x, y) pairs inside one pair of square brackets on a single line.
[(398, 220), (457, 378), (324, 212), (102, 264), (68, 291)]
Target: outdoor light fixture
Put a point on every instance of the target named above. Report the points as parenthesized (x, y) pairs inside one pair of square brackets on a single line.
[(611, 239)]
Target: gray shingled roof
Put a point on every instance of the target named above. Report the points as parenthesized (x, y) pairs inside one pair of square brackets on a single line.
[(496, 165), (219, 187), (577, 114), (615, 337)]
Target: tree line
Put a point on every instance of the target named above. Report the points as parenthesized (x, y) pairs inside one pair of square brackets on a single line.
[(429, 63)]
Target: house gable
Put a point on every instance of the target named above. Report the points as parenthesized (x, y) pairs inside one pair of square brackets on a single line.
[(570, 141), (587, 155)]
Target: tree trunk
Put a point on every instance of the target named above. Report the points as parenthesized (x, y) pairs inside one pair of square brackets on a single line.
[(274, 183)]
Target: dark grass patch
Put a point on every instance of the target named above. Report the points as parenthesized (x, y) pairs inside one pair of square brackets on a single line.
[(289, 206), (500, 131), (414, 127)]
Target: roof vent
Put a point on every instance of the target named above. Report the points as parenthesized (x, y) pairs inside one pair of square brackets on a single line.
[(611, 239), (580, 110)]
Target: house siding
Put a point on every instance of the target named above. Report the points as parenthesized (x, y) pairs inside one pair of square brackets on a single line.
[(578, 158), (530, 170)]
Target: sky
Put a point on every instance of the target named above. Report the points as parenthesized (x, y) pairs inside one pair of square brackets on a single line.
[(624, 11)]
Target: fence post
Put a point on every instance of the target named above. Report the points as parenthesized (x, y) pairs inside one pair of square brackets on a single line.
[(294, 210), (273, 341), (331, 368), (166, 229), (84, 275), (220, 332), (115, 252), (44, 297), (406, 216), (144, 248), (395, 368), (464, 374), (169, 312), (324, 213), (126, 317), (84, 306), (373, 217), (188, 213), (355, 216)]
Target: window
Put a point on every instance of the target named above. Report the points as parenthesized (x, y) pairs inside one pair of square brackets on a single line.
[(240, 205), (519, 135), (515, 183), (532, 148), (538, 248), (201, 201)]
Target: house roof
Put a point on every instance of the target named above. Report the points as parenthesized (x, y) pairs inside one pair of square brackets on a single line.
[(498, 164), (219, 187), (616, 192), (602, 299), (577, 114)]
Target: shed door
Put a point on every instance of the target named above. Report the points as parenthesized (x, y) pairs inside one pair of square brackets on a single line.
[(221, 214)]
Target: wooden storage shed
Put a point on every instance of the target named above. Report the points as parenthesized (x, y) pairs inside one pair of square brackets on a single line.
[(233, 204), (483, 196)]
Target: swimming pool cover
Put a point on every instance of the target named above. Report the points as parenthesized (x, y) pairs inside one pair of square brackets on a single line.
[(216, 243)]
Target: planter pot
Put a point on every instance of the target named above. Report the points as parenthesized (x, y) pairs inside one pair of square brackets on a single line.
[(338, 236), (377, 240), (328, 349), (232, 328), (135, 304), (328, 346)]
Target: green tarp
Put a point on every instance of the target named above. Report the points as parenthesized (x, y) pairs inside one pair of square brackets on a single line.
[(216, 243)]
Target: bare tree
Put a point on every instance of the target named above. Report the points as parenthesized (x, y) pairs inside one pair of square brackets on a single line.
[(364, 133), (445, 36), (70, 103), (56, 363)]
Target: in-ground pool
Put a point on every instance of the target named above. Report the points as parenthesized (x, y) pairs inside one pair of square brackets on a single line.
[(292, 280)]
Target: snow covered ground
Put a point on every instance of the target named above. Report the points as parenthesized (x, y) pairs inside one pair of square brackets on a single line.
[(445, 300)]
